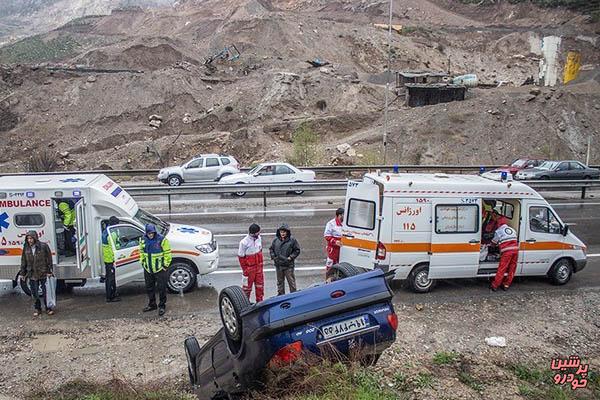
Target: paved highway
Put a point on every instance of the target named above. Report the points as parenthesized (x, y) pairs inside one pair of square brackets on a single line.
[(228, 218)]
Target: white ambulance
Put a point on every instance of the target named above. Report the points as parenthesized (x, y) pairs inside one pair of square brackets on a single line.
[(30, 203), (429, 226)]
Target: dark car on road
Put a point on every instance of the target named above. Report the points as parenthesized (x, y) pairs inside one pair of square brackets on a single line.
[(352, 316), (559, 170)]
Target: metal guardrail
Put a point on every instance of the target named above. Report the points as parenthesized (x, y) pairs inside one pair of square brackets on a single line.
[(332, 185)]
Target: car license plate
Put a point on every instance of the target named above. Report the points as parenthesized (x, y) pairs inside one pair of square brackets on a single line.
[(347, 326)]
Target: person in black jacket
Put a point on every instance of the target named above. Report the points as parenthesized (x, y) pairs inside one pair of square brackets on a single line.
[(284, 250)]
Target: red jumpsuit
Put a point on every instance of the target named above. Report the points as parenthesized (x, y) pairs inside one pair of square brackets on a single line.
[(251, 260), (506, 238), (332, 234)]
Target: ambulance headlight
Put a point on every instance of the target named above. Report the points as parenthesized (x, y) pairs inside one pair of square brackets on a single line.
[(207, 248)]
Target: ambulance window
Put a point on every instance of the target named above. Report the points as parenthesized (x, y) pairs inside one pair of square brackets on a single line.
[(361, 214), (29, 220), (127, 236), (505, 209), (543, 220), (457, 218)]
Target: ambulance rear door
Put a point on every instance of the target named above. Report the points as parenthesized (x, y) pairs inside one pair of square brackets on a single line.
[(82, 239), (361, 224)]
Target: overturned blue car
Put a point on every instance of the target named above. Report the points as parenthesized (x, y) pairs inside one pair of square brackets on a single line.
[(351, 316)]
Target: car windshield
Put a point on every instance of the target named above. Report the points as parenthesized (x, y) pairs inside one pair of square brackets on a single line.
[(548, 165), (144, 218), (255, 169), (519, 163)]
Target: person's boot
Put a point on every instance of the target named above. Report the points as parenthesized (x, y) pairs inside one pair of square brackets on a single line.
[(149, 307), (161, 311), (113, 300)]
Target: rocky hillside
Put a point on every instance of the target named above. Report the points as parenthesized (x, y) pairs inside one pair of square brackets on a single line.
[(116, 71)]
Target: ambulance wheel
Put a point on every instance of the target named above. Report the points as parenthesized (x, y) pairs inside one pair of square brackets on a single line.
[(182, 277), (419, 281), (192, 349), (561, 272), (343, 270), (232, 301), (174, 180)]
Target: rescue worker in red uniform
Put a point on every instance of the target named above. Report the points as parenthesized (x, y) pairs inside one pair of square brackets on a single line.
[(251, 260), (333, 237), (490, 221), (506, 239)]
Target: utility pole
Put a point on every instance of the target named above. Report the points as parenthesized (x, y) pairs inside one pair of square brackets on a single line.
[(587, 158), (387, 84)]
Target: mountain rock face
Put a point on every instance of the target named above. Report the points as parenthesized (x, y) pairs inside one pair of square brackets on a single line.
[(89, 87), (21, 18)]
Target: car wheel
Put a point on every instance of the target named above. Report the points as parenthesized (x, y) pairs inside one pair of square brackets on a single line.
[(544, 177), (224, 175), (174, 180), (561, 272), (419, 281), (182, 278), (232, 301), (298, 192), (192, 349), (587, 177), (343, 270), (240, 194)]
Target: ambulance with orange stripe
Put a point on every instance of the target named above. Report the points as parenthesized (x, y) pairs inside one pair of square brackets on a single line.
[(31, 203), (427, 227)]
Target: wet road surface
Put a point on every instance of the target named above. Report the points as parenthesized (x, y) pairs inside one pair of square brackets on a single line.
[(307, 217)]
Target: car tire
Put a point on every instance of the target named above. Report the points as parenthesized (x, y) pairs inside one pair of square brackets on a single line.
[(240, 194), (561, 272), (587, 177), (298, 192), (174, 180), (232, 301), (192, 349), (343, 270), (418, 279), (544, 177), (182, 277)]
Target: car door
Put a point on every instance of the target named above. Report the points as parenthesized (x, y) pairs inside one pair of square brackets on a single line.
[(193, 170), (543, 241), (562, 171), (456, 238), (284, 174), (263, 175), (212, 166), (577, 170), (127, 256)]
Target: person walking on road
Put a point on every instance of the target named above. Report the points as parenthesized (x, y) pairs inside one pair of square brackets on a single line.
[(284, 251), (333, 237), (36, 265), (251, 260), (506, 238), (67, 216), (155, 257), (110, 241)]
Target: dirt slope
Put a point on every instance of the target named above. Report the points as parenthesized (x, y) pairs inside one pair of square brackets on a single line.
[(250, 106)]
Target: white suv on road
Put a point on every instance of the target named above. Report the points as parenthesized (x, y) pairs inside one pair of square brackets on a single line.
[(205, 167)]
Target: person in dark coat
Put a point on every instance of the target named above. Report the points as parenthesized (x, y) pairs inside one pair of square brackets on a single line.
[(36, 265), (284, 251)]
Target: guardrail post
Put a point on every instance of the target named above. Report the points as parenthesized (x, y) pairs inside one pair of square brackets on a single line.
[(169, 201), (265, 199), (583, 188)]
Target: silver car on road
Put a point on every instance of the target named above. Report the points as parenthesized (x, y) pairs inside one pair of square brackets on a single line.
[(205, 167)]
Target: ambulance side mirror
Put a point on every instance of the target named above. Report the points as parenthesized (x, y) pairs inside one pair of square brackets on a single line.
[(565, 230)]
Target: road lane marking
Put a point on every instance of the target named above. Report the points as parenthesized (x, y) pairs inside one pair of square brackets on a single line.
[(312, 210)]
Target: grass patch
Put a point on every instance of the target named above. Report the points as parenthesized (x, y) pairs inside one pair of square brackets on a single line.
[(470, 381), (444, 357), (306, 146), (116, 389), (423, 380), (35, 50), (324, 381)]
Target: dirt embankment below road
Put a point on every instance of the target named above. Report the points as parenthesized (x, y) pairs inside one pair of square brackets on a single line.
[(537, 327)]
